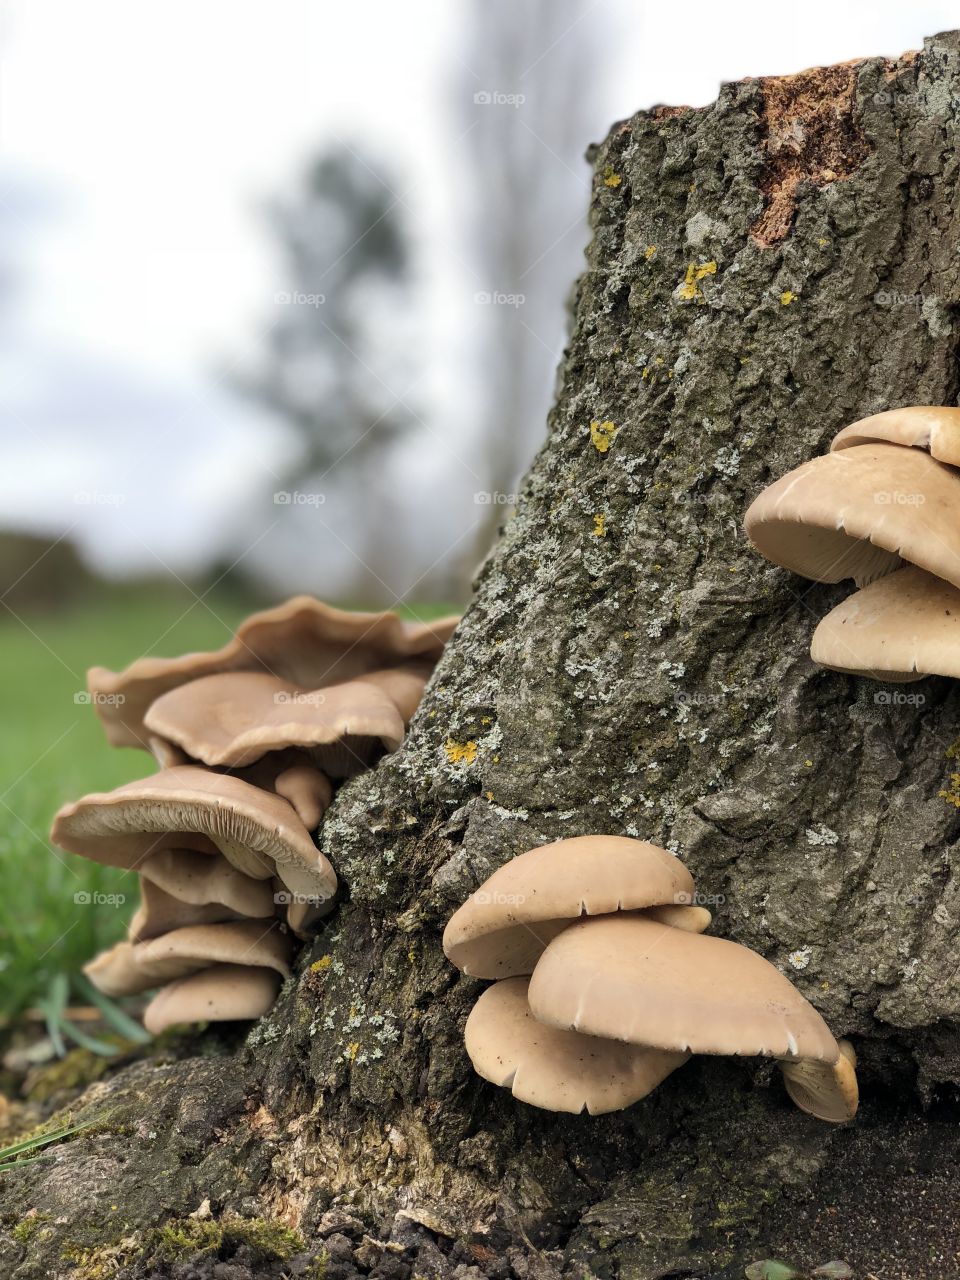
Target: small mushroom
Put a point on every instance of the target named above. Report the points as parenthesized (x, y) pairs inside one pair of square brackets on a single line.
[(180, 887), (308, 790), (902, 628), (222, 993), (692, 919), (855, 513), (554, 1069), (502, 929), (302, 641), (159, 912), (933, 427), (128, 968), (236, 718), (259, 833), (627, 978)]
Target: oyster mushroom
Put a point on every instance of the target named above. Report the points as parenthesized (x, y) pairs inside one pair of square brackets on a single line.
[(933, 427), (180, 887), (258, 833), (303, 641), (626, 978), (858, 513), (222, 993), (130, 967), (503, 928), (554, 1069), (902, 628), (236, 718)]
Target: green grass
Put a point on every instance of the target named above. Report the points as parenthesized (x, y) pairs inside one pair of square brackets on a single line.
[(52, 750)]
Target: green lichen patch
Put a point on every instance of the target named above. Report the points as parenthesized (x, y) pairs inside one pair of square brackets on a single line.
[(181, 1239)]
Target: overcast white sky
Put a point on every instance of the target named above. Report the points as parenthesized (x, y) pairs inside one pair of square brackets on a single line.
[(138, 144)]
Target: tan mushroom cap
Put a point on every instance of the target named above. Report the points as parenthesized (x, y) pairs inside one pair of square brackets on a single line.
[(902, 628), (234, 718), (179, 887), (933, 427), (557, 1070), (128, 968), (855, 513), (403, 685), (257, 832), (201, 878), (633, 979), (828, 1091), (501, 930), (222, 993), (308, 790), (159, 912), (304, 641)]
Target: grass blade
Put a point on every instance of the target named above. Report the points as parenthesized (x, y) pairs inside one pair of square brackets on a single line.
[(113, 1015)]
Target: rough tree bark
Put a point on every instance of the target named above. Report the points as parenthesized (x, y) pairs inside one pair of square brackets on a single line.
[(762, 271)]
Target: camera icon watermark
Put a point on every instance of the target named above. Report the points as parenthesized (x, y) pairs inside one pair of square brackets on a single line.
[(93, 498), (897, 498), (495, 98), (499, 298), (296, 298), (898, 698), (83, 698), (893, 298), (94, 898), (296, 498), (487, 498), (299, 697), (288, 898)]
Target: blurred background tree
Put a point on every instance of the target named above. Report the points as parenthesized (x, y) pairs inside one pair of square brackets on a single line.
[(340, 348), (532, 74)]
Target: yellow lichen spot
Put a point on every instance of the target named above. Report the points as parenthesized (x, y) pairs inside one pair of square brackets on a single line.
[(353, 1049), (460, 752), (690, 290), (646, 372), (616, 350), (411, 955), (485, 720), (599, 525), (787, 297), (603, 434), (669, 373), (353, 1011), (823, 241), (808, 764), (650, 251), (489, 795), (610, 177), (321, 965), (658, 568)]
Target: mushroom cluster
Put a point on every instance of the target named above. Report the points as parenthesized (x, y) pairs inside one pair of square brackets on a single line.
[(251, 741), (606, 982), (880, 508)]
